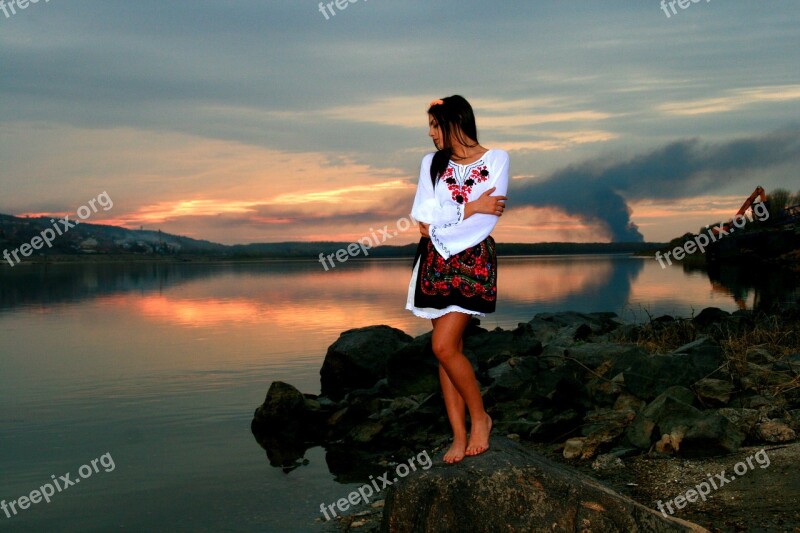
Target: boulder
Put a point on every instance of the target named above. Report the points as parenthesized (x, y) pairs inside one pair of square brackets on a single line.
[(413, 369), (558, 387), (710, 316), (711, 434), (775, 431), (358, 358), (555, 424), (510, 488), (513, 378), (675, 402), (602, 427), (745, 420), (595, 354), (287, 424), (284, 404), (646, 378), (565, 328), (484, 347), (675, 426), (713, 391), (762, 378), (598, 322)]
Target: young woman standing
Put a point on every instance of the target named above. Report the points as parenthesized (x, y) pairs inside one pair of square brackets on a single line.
[(460, 196)]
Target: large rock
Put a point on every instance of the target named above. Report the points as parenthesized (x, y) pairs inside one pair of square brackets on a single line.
[(358, 359), (488, 348), (594, 354), (775, 431), (646, 378), (712, 391), (510, 489), (559, 388), (678, 427), (283, 405), (566, 327), (413, 369), (710, 316), (286, 424), (745, 420), (599, 323), (513, 378), (674, 403), (602, 427)]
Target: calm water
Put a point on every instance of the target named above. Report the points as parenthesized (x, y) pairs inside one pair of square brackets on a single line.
[(161, 367)]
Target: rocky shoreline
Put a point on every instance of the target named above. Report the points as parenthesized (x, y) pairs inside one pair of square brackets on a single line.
[(584, 389)]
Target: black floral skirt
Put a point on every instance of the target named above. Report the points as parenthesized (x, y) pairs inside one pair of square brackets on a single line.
[(467, 279)]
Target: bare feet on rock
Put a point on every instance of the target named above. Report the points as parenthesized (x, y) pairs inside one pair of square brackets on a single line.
[(456, 451), (479, 436)]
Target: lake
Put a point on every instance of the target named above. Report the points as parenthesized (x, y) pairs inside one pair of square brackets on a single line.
[(153, 370)]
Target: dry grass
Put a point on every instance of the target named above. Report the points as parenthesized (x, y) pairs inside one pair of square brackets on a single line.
[(776, 333)]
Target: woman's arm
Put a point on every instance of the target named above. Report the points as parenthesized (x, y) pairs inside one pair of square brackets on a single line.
[(486, 203), (450, 239)]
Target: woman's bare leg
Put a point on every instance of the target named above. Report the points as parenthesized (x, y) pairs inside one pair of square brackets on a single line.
[(447, 346), (455, 413)]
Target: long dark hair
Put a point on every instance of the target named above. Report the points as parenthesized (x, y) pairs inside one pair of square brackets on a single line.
[(455, 117)]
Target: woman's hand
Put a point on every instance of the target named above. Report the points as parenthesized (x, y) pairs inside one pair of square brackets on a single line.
[(490, 205), (423, 229)]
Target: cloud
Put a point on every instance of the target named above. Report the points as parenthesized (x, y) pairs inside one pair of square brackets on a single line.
[(598, 190), (735, 100)]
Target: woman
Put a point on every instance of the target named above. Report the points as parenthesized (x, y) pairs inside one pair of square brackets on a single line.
[(455, 268)]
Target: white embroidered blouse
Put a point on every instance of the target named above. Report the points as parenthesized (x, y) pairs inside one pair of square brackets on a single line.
[(443, 207)]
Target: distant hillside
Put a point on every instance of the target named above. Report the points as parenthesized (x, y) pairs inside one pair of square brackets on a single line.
[(97, 238), (87, 238)]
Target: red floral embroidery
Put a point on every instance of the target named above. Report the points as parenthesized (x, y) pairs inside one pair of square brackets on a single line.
[(471, 272), (461, 191)]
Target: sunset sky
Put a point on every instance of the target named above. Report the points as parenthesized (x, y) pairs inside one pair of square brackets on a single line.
[(263, 121)]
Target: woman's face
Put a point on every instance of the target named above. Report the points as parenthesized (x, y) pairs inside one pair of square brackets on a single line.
[(435, 132)]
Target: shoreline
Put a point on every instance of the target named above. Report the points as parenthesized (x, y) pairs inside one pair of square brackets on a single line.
[(210, 259), (649, 409)]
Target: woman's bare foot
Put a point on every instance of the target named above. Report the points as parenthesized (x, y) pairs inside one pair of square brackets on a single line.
[(479, 436), (456, 451)]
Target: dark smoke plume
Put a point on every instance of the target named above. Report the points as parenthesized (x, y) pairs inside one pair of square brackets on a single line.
[(598, 190)]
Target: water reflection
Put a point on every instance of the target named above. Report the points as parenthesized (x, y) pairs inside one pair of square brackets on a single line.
[(579, 283), (300, 296), (762, 287)]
